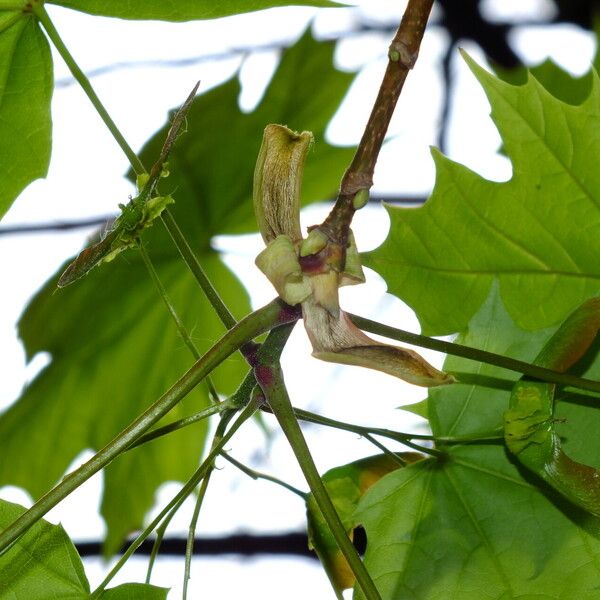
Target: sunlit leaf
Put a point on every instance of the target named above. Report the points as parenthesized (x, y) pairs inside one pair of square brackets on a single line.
[(537, 234), (42, 564), (560, 83), (179, 10), (474, 525), (134, 591), (26, 82)]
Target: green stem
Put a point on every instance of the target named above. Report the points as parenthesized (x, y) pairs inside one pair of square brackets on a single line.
[(385, 450), (368, 432), (189, 545), (198, 272), (282, 409), (181, 423), (43, 17), (160, 534), (162, 292), (253, 325), (468, 439), (185, 491), (270, 378), (240, 398), (259, 475), (398, 436), (185, 336), (213, 395), (484, 356)]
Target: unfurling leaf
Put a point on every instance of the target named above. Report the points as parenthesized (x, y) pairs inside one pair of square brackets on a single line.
[(134, 218), (138, 214), (308, 272)]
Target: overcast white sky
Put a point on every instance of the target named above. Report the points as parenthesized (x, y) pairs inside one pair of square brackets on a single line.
[(85, 180)]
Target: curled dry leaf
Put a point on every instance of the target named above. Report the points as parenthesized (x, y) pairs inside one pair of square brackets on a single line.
[(303, 271), (277, 182), (340, 341)]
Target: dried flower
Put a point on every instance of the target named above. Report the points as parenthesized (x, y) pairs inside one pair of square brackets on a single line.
[(306, 271)]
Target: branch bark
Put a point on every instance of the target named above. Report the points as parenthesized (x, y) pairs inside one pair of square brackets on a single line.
[(358, 179)]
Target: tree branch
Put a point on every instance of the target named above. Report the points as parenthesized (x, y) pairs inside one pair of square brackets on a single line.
[(358, 179)]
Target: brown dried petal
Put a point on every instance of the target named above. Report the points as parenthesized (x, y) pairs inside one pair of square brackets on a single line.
[(277, 181), (340, 341)]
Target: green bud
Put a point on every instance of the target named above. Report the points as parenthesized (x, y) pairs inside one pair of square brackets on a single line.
[(353, 271), (360, 199), (142, 180), (394, 55), (314, 243)]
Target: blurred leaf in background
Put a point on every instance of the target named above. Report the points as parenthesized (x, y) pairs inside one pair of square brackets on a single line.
[(113, 345)]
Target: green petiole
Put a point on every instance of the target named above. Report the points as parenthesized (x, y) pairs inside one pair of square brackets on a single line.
[(532, 370), (185, 491)]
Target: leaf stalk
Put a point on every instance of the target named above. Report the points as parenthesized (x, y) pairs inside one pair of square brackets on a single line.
[(475, 354)]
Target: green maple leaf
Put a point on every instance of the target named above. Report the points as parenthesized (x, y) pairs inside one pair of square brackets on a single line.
[(114, 348), (44, 565), (561, 84), (26, 81), (345, 485), (538, 234), (474, 525)]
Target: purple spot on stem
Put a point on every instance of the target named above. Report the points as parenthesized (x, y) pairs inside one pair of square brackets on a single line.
[(264, 375)]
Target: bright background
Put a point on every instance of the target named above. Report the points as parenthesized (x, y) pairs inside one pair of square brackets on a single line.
[(85, 180)]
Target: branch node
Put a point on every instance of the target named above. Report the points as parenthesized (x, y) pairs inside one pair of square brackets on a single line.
[(401, 53), (354, 181)]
